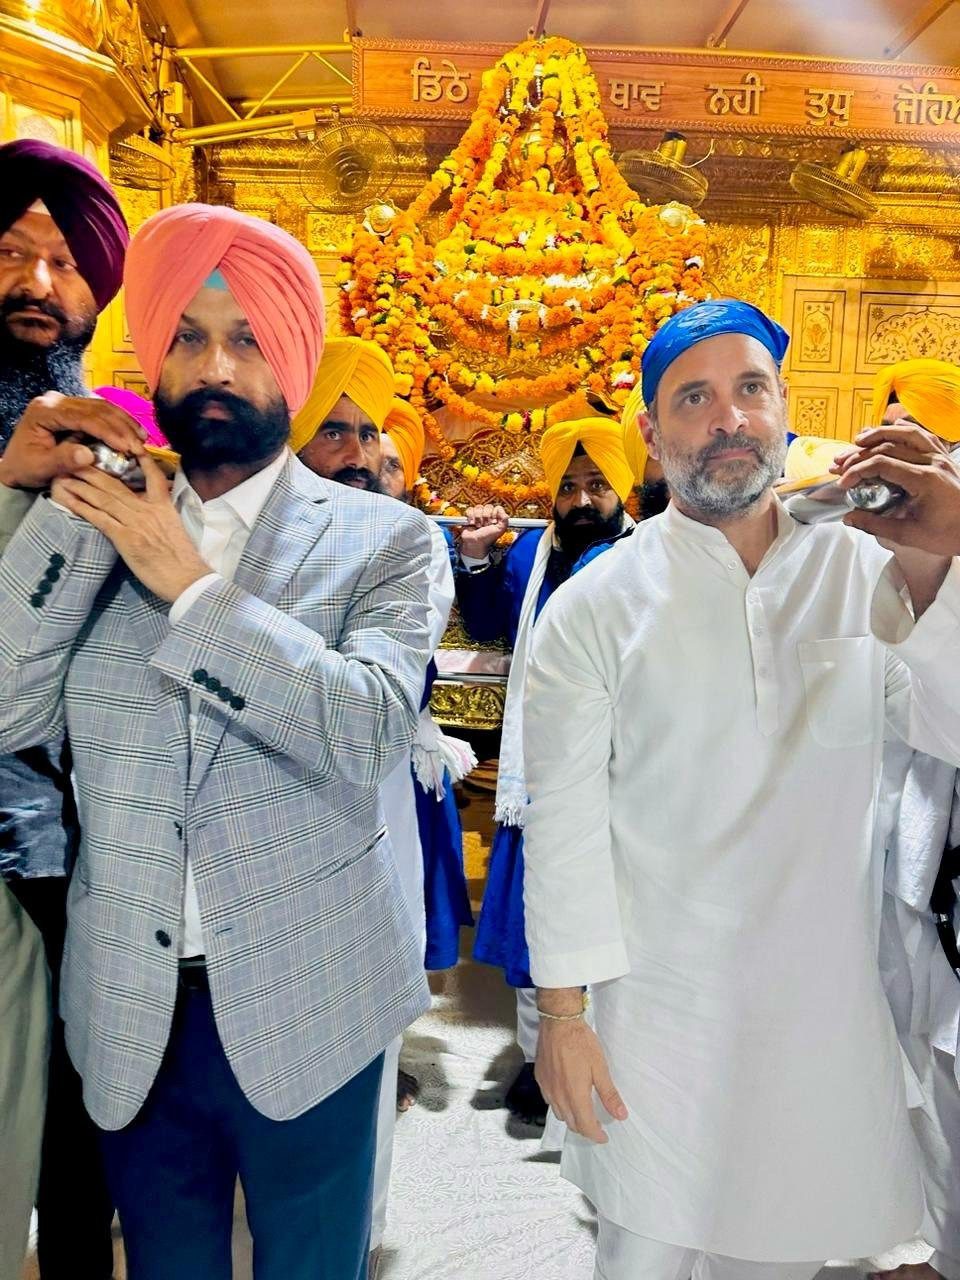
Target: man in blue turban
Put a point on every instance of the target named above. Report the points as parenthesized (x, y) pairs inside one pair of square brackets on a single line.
[(703, 728)]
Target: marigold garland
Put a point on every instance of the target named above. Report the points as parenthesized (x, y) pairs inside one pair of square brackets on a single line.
[(543, 251)]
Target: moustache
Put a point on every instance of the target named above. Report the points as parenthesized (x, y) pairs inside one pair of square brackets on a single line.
[(729, 444), (346, 474), (21, 302)]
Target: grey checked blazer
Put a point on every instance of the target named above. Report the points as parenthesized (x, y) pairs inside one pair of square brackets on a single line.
[(308, 669)]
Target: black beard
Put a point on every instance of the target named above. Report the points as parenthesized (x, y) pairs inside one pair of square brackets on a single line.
[(584, 526), (248, 436), (370, 482), (654, 498), (28, 371)]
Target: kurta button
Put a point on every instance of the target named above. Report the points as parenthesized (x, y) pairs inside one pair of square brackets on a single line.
[(163, 937), (37, 600), (237, 702), (200, 676)]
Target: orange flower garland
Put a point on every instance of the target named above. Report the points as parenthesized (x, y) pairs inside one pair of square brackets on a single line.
[(543, 251)]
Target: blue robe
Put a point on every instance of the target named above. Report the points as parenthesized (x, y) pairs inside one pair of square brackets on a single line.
[(490, 603)]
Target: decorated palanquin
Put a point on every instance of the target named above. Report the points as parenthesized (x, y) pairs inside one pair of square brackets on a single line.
[(521, 285)]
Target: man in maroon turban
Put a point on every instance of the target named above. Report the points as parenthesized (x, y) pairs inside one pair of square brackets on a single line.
[(62, 244)]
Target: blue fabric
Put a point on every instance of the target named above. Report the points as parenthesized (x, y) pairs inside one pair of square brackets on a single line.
[(704, 320), (501, 936), (445, 894), (490, 601), (308, 1182)]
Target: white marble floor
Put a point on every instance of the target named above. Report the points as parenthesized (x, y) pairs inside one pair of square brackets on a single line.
[(473, 1197)]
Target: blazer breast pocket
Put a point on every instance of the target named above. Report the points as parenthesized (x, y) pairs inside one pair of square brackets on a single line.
[(839, 689), (343, 864)]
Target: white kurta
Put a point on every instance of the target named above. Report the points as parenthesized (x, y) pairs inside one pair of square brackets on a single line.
[(703, 753)]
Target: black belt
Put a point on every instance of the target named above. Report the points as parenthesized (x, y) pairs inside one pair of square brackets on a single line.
[(192, 973), (943, 903)]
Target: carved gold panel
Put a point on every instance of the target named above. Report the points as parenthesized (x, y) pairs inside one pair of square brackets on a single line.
[(817, 329), (813, 411), (906, 327), (468, 706)]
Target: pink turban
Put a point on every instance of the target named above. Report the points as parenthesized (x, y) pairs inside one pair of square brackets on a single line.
[(270, 274)]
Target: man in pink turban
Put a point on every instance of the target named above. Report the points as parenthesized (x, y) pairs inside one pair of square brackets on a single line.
[(240, 661)]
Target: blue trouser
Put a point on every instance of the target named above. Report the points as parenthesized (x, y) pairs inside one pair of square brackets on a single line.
[(307, 1182)]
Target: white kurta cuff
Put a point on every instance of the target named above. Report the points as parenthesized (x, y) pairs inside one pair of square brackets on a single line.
[(580, 968), (893, 625)]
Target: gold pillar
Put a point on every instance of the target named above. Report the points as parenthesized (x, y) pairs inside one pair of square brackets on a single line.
[(62, 81)]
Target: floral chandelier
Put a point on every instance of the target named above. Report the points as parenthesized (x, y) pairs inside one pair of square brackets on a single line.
[(526, 276)]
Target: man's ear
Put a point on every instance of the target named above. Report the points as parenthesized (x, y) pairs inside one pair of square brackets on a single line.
[(646, 430)]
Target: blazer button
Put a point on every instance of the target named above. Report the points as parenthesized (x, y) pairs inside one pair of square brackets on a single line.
[(38, 600), (224, 694), (200, 676), (57, 561), (213, 684), (52, 575), (163, 937), (44, 588), (178, 828), (237, 702)]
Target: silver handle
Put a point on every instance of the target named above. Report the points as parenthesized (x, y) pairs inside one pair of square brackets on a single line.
[(515, 522)]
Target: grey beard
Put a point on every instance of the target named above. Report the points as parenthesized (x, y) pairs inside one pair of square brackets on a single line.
[(690, 480), (28, 375)]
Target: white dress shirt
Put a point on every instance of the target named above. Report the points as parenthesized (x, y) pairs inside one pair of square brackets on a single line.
[(219, 529), (703, 755)]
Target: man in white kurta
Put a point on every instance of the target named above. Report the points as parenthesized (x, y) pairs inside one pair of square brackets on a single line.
[(705, 715)]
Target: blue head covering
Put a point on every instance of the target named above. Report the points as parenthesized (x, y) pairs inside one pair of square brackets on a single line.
[(705, 320)]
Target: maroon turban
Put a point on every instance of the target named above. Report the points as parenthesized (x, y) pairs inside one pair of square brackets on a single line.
[(81, 203)]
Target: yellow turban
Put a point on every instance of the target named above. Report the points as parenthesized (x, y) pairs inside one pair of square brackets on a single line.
[(602, 439), (810, 457), (405, 429), (928, 389), (634, 444), (349, 367)]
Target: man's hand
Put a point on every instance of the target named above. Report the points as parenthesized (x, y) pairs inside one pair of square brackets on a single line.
[(144, 527), (907, 455), (486, 525), (570, 1067), (44, 445)]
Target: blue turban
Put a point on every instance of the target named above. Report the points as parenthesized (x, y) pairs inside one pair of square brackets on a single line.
[(705, 320)]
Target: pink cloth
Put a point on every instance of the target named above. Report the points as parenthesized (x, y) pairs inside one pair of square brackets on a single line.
[(270, 274), (138, 408)]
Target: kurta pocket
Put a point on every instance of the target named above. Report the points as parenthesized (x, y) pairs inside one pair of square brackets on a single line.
[(838, 682)]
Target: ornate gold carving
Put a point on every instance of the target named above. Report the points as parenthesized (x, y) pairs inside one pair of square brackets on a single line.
[(896, 332), (811, 419), (738, 262), (468, 706), (816, 331)]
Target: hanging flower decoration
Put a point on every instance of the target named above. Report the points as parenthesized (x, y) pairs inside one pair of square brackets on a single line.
[(544, 258)]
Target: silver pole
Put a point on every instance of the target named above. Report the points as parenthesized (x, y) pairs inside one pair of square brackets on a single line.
[(515, 522)]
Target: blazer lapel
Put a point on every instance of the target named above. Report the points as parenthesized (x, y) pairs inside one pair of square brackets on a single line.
[(149, 619), (292, 520)]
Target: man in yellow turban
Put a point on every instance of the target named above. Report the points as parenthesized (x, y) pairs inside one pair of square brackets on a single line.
[(401, 450), (922, 391), (650, 486), (589, 477), (337, 432)]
